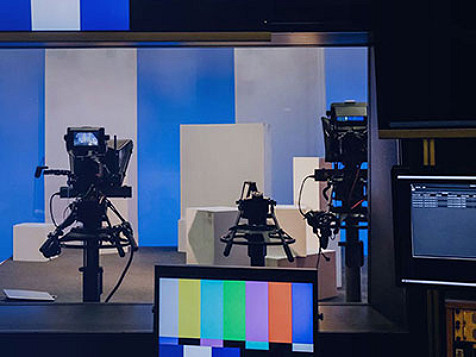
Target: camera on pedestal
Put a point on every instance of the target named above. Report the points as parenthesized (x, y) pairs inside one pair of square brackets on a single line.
[(97, 171), (346, 136), (261, 228)]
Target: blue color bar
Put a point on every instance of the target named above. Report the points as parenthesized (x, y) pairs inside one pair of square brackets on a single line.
[(170, 351), (105, 15), (168, 341), (226, 352), (212, 310), (302, 313), (15, 15), (169, 308)]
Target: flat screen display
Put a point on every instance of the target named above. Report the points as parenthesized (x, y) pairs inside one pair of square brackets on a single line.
[(444, 220), (85, 139), (213, 316), (434, 217)]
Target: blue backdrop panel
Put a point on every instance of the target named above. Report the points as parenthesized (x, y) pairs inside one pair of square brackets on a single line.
[(15, 15), (175, 86), (346, 74), (22, 137), (347, 79), (105, 15)]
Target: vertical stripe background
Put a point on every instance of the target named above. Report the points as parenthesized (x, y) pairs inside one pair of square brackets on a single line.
[(189, 308), (280, 313), (174, 86), (169, 308), (22, 81)]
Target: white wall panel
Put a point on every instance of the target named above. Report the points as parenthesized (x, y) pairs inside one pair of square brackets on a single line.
[(285, 88), (215, 160), (55, 15), (94, 87)]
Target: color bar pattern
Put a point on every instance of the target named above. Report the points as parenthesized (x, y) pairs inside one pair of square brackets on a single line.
[(204, 315)]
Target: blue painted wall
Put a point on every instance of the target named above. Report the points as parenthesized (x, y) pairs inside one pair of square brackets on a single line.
[(15, 15), (105, 15), (346, 74), (175, 86), (22, 138), (347, 78)]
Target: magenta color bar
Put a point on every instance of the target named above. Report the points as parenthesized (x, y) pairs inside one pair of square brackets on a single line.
[(257, 311), (211, 343)]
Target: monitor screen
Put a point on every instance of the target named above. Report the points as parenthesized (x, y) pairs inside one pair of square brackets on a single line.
[(235, 312), (85, 138), (434, 217), (443, 220)]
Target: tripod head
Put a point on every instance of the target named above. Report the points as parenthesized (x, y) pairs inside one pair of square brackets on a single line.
[(257, 233)]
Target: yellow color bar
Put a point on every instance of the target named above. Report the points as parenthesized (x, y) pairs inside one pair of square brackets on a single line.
[(189, 308)]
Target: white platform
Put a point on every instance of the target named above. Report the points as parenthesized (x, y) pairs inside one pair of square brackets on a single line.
[(205, 226), (27, 239)]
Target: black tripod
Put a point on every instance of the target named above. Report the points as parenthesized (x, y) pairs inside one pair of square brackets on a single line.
[(91, 211), (257, 234)]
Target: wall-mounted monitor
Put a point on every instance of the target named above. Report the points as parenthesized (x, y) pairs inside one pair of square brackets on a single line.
[(435, 228), (213, 311)]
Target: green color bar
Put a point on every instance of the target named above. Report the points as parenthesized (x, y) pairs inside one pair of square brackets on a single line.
[(234, 306), (189, 308)]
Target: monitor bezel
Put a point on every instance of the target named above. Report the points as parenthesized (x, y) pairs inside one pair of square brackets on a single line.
[(414, 270), (288, 275)]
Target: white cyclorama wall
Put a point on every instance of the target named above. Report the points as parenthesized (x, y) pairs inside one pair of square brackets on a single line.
[(215, 160), (90, 87), (285, 88)]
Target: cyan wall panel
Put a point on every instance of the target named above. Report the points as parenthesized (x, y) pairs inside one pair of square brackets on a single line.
[(175, 86), (21, 135)]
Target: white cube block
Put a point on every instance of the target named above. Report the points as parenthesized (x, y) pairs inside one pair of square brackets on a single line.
[(292, 222), (205, 226), (27, 239)]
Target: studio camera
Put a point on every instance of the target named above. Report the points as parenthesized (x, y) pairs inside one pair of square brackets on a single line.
[(345, 129), (97, 171), (96, 162)]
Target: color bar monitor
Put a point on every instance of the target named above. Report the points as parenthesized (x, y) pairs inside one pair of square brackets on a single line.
[(434, 228), (235, 312)]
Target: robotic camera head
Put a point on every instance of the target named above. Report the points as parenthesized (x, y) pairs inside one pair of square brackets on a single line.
[(345, 132)]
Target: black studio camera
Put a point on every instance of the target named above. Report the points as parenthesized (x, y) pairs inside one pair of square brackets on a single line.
[(97, 171), (96, 162), (345, 132)]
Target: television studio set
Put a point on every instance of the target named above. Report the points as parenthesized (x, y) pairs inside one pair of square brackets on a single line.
[(237, 178)]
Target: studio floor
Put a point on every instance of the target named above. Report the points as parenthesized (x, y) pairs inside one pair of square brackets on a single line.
[(61, 277)]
